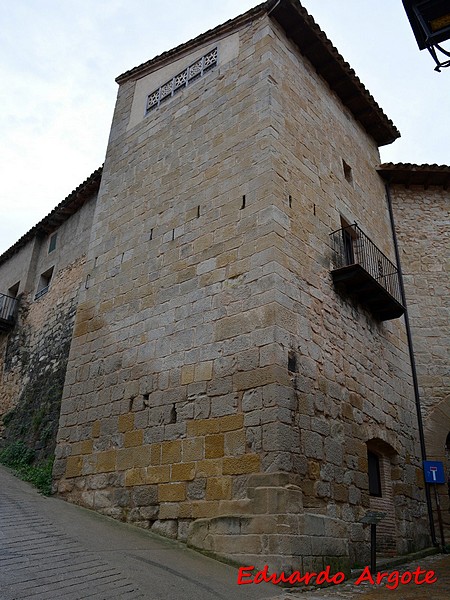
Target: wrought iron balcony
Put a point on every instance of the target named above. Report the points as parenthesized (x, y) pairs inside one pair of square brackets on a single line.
[(362, 271), (8, 312)]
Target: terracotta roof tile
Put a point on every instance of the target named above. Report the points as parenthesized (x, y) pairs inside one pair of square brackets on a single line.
[(59, 214), (412, 174), (312, 43)]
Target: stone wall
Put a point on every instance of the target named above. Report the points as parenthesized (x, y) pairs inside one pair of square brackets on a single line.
[(218, 389), (33, 356), (423, 231)]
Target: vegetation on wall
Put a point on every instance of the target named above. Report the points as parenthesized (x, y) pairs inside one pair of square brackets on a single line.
[(28, 440), (21, 459)]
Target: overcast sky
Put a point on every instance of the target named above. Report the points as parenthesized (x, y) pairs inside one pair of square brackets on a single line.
[(59, 60)]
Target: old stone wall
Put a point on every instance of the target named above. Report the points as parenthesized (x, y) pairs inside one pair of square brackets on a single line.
[(219, 390), (176, 325), (422, 223), (352, 375), (33, 355)]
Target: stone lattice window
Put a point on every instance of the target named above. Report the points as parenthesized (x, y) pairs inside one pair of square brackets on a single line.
[(181, 80)]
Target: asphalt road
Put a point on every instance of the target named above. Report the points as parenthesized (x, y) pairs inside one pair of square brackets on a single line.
[(51, 550)]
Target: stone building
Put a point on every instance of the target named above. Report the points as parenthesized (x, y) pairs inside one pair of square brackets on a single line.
[(40, 276), (420, 197), (239, 375)]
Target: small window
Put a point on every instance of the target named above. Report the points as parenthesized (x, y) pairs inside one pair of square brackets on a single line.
[(52, 244), (44, 283), (14, 290), (347, 172), (374, 474)]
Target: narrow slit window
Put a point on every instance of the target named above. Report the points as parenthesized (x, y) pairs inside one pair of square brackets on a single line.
[(347, 172)]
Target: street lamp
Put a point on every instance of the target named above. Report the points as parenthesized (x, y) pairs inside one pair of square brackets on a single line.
[(430, 22)]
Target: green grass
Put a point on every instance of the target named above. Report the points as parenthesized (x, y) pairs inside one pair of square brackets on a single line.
[(20, 459)]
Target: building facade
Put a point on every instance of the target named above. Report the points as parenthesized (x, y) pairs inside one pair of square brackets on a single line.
[(239, 375), (40, 278), (420, 197)]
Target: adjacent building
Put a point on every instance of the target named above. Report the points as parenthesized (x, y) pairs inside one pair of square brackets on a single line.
[(40, 277)]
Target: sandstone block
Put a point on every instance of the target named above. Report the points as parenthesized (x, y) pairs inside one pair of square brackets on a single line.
[(157, 474), (125, 459), (106, 461), (155, 454), (248, 463), (133, 438), (182, 472), (245, 380), (84, 447), (192, 449), (126, 422), (218, 425), (205, 509), (203, 371), (135, 477), (171, 492), (218, 488), (171, 452), (74, 466), (209, 468), (187, 374), (185, 510), (214, 446)]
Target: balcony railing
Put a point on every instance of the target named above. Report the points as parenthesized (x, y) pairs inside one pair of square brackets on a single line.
[(364, 272), (8, 312)]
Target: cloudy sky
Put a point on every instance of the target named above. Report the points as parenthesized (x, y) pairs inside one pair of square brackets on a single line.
[(59, 60)]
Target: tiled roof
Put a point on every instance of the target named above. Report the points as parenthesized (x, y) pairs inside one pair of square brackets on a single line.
[(411, 174), (312, 42), (59, 214)]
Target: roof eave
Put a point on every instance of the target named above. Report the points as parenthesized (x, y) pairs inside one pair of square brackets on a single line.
[(313, 43), (408, 174), (59, 214), (159, 61)]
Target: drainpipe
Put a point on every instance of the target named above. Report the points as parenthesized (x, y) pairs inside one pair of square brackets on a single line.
[(412, 361)]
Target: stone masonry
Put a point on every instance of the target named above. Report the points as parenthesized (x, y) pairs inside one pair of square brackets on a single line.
[(33, 356), (219, 389), (423, 230)]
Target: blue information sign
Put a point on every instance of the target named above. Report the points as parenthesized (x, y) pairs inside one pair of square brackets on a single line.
[(434, 471)]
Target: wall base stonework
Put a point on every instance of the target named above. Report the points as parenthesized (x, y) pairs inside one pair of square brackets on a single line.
[(33, 365)]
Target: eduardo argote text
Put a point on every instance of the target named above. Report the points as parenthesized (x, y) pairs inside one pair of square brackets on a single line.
[(391, 579)]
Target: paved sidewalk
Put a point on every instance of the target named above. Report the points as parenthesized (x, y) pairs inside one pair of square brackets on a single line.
[(440, 590), (52, 550)]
